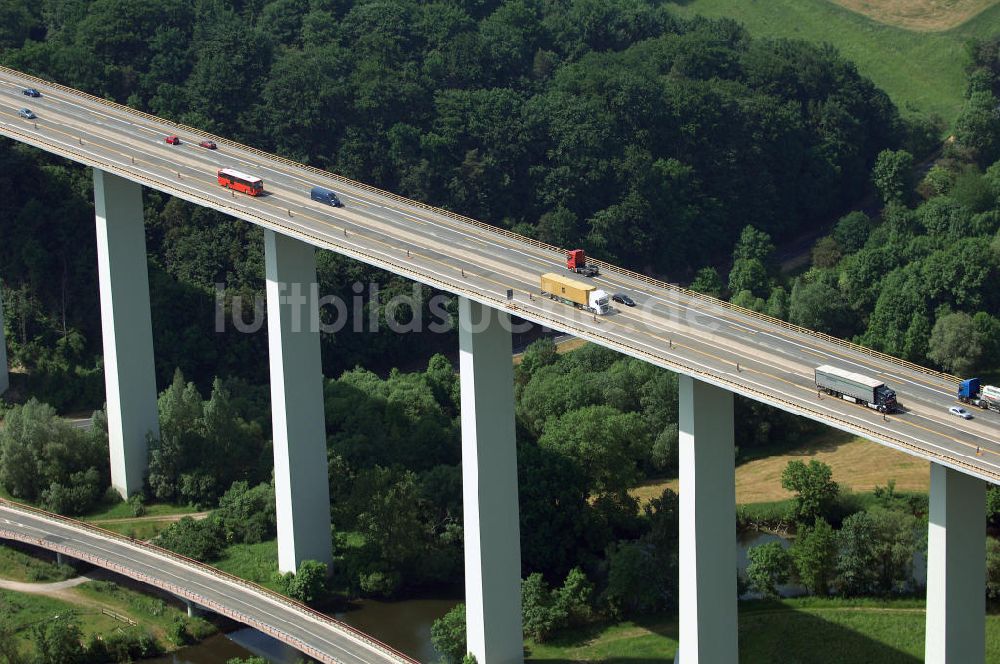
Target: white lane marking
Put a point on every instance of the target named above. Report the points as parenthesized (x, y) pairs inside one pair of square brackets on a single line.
[(462, 233), (794, 399), (797, 400)]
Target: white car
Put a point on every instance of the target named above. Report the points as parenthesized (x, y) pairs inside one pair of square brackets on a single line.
[(961, 412)]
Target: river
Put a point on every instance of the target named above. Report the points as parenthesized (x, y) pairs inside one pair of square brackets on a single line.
[(406, 625)]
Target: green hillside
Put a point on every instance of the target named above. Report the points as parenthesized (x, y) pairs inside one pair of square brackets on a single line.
[(921, 71)]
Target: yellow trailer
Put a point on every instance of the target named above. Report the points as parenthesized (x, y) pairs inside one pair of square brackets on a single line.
[(571, 291)]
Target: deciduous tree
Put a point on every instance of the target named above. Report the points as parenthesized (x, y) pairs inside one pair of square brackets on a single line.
[(767, 568), (813, 485)]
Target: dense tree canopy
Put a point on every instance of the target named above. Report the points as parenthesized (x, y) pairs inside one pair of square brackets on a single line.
[(45, 458), (646, 138)]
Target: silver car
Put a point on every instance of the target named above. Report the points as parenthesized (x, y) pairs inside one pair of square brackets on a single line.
[(961, 412), (27, 114)]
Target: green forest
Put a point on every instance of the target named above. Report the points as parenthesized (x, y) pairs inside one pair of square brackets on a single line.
[(684, 148), (647, 139)]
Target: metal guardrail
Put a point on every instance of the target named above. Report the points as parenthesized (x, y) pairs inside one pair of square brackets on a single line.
[(387, 650), (502, 232), (759, 395), (555, 323)]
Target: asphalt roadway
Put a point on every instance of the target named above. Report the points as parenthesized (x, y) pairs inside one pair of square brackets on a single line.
[(761, 358), (316, 635)]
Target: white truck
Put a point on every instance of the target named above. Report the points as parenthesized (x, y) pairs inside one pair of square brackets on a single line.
[(857, 388)]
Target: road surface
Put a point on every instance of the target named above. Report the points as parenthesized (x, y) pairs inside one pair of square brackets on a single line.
[(761, 358), (312, 633)]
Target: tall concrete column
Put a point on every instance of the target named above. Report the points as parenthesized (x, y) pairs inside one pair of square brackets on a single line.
[(4, 375), (956, 569), (300, 462), (707, 501), (489, 486), (129, 374)]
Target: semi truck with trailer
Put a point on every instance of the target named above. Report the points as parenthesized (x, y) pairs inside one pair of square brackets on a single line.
[(970, 391), (856, 387), (576, 261), (580, 295)]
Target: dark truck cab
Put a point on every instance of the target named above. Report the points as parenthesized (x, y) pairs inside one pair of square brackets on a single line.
[(856, 387)]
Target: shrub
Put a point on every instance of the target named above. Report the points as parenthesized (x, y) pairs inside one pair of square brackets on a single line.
[(309, 583), (448, 635), (767, 567)]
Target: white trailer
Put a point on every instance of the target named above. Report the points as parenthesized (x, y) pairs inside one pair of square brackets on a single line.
[(856, 387)]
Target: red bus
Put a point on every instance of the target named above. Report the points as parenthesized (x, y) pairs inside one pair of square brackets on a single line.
[(248, 184)]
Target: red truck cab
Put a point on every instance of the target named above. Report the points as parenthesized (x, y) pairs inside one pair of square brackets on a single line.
[(576, 261)]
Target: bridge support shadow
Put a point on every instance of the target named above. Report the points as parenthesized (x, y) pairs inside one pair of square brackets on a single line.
[(766, 635)]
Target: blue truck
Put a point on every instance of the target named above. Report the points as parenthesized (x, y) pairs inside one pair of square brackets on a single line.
[(970, 391)]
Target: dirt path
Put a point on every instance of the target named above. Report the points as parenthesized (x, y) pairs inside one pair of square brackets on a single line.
[(52, 588), (170, 518)]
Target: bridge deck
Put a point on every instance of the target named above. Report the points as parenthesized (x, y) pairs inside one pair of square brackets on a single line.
[(309, 631), (750, 354)]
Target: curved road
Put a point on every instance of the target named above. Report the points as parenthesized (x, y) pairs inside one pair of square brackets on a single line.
[(742, 351), (313, 633)]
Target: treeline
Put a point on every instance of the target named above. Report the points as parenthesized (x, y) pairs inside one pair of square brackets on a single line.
[(648, 139), (845, 544), (46, 460), (921, 280), (852, 545), (591, 426)]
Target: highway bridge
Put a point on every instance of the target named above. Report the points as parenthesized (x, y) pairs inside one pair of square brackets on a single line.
[(718, 348), (309, 631)]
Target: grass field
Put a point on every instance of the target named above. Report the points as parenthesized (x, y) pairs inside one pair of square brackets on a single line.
[(921, 71), (254, 562), (788, 632), (118, 517), (16, 565), (149, 611), (87, 601), (122, 510), (29, 610), (858, 465)]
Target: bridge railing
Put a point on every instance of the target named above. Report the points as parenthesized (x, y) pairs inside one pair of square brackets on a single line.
[(538, 316), (759, 395), (502, 232), (199, 599)]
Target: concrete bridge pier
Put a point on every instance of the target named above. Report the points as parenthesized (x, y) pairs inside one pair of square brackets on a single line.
[(301, 484), (956, 569), (489, 486), (4, 375), (193, 610), (129, 374), (707, 501)]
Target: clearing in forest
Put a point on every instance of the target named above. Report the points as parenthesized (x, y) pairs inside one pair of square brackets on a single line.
[(923, 15), (921, 69), (858, 464)]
